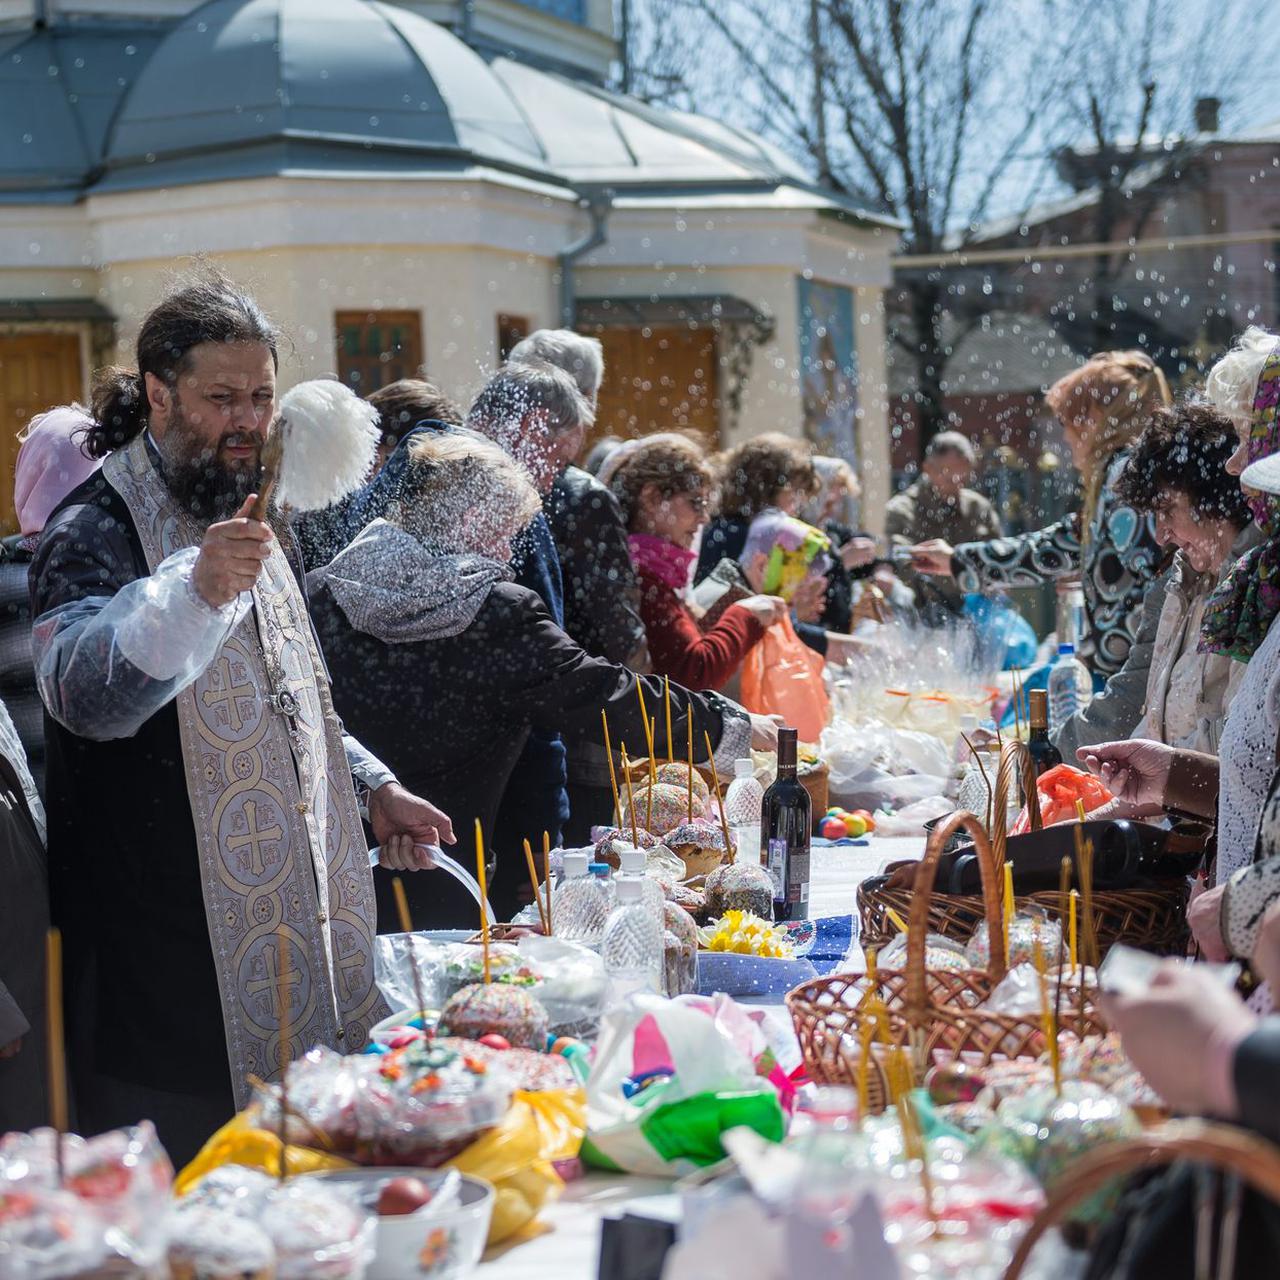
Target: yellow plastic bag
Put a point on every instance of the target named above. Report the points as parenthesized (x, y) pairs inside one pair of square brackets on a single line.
[(515, 1156), (240, 1141)]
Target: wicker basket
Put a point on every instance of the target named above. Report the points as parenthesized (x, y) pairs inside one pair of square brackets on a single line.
[(928, 1008), (814, 779), (1153, 917), (1240, 1155)]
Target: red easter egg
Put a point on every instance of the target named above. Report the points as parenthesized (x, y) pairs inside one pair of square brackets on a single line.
[(495, 1041), (403, 1195)]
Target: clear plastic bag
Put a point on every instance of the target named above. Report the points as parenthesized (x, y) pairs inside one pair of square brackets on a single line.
[(107, 1211)]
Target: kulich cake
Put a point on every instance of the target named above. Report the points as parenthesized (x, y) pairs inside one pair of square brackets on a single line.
[(216, 1244), (677, 775), (606, 848), (699, 845), (670, 809), (740, 886), (495, 1009), (318, 1233), (529, 1070), (465, 966)]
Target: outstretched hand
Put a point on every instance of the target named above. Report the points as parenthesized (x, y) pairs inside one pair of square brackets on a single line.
[(1136, 773)]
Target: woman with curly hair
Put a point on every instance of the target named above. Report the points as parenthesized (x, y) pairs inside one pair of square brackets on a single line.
[(769, 472), (1103, 407), (664, 486)]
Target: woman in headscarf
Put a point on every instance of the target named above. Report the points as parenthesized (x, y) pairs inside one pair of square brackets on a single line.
[(445, 665), (1103, 407), (664, 486)]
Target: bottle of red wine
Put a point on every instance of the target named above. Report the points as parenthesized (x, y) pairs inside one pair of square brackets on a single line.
[(1043, 752), (786, 822)]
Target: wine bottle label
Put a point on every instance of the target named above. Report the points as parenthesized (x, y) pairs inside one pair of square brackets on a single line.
[(798, 876), (778, 868)]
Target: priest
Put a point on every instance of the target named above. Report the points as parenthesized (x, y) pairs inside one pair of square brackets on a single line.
[(207, 859)]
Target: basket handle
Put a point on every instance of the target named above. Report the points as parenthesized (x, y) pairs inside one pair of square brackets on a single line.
[(1254, 1159), (917, 1000), (1013, 754)]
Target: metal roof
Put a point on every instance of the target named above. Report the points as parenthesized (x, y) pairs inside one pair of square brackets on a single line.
[(246, 88)]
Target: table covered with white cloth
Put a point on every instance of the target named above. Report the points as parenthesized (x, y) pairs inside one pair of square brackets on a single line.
[(564, 1244)]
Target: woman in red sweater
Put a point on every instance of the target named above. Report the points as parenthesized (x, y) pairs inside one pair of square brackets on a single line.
[(664, 487)]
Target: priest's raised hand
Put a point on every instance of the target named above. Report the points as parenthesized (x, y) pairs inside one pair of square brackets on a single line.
[(231, 556)]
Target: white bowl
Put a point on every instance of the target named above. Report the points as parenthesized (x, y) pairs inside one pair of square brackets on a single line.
[(430, 1244)]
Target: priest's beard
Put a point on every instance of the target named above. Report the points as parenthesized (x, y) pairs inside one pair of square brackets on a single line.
[(202, 480)]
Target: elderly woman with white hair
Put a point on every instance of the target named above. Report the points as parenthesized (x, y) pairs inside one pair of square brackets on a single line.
[(447, 665), (601, 591)]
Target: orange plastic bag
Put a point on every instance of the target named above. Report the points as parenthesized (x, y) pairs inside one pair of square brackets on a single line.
[(782, 676)]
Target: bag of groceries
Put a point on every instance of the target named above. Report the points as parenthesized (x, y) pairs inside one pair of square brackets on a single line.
[(669, 1077), (782, 676)]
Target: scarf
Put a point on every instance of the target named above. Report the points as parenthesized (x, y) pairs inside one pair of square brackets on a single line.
[(1240, 613), (399, 590), (661, 559)]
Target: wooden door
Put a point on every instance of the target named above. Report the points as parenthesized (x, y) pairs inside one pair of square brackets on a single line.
[(37, 372), (659, 379), (376, 348)]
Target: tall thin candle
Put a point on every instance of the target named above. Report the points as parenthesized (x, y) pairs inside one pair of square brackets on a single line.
[(613, 776), (406, 927), (631, 798), (666, 694), (482, 876), (715, 785), (546, 876), (56, 1047)]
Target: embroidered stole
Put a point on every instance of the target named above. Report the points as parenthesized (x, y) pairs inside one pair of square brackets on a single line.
[(277, 828)]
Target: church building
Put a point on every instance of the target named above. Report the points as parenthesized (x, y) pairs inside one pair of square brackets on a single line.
[(411, 187)]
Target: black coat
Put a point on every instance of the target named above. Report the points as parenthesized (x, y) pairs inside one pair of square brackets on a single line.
[(450, 716), (124, 870), (17, 672)]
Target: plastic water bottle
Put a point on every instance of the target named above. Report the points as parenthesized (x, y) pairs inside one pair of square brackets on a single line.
[(742, 804), (582, 903), (632, 945), (1070, 687), (631, 867)]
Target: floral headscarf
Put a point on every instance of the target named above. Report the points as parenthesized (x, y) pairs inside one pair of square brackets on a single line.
[(1240, 613)]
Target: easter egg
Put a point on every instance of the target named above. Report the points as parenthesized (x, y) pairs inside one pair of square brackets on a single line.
[(495, 1041), (855, 825), (833, 812), (833, 829), (401, 1196), (562, 1044)]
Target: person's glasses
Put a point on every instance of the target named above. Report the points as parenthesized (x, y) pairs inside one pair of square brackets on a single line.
[(698, 503)]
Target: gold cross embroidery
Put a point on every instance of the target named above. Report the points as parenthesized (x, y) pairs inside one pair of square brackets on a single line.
[(226, 693), (273, 982), (254, 838)]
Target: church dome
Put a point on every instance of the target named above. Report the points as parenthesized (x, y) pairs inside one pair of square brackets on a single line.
[(237, 81)]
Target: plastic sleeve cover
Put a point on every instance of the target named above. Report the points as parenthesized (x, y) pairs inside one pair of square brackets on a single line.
[(105, 664)]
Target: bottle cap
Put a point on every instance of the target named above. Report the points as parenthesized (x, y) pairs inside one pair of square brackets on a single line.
[(575, 864), (630, 859), (629, 891), (1065, 649), (599, 869), (743, 769)]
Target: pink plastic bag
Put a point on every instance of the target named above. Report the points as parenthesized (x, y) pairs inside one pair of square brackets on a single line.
[(782, 676)]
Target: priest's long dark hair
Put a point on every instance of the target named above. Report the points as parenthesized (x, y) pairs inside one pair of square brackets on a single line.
[(210, 309)]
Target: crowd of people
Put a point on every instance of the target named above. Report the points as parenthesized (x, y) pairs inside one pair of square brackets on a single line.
[(221, 706)]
